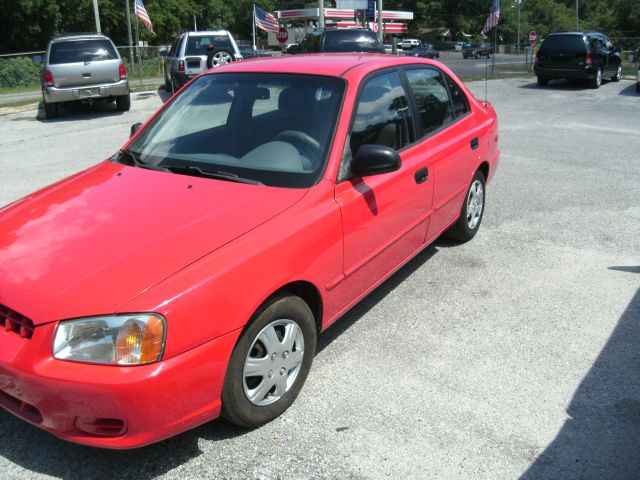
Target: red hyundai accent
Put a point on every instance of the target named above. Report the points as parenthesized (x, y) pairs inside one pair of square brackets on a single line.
[(189, 275)]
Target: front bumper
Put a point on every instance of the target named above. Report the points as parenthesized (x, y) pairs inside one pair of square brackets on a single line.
[(86, 92), (108, 406)]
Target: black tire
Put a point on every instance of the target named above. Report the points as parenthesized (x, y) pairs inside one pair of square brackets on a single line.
[(618, 75), (123, 103), (638, 87), (236, 406), (168, 85), (597, 80), (51, 110), (461, 230), (543, 81)]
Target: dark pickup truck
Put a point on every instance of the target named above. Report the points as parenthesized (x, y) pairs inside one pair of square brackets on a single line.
[(477, 50)]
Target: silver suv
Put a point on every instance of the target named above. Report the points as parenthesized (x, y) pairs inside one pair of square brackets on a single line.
[(84, 67), (187, 57)]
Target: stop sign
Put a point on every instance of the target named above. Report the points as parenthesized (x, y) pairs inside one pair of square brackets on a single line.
[(282, 35), (533, 38)]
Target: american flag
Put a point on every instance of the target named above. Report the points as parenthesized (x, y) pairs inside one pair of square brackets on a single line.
[(494, 16), (265, 21), (142, 14)]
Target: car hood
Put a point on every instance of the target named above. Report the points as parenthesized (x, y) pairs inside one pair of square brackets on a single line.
[(91, 243)]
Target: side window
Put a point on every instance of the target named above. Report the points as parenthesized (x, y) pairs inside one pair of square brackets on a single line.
[(460, 102), (432, 98), (174, 48), (383, 115)]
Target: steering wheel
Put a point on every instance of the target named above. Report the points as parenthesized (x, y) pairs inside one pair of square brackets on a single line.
[(305, 143)]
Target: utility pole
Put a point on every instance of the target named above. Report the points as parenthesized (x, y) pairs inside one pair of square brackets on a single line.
[(131, 58), (321, 13), (380, 36), (518, 41), (577, 20), (97, 15)]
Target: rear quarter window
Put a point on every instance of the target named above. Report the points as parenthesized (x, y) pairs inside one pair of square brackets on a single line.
[(82, 51), (565, 43)]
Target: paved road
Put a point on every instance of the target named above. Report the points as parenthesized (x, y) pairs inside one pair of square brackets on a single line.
[(515, 355)]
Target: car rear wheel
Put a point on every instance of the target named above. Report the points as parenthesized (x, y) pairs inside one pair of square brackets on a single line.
[(543, 81), (618, 74), (597, 80), (123, 102), (472, 210), (51, 110), (270, 362)]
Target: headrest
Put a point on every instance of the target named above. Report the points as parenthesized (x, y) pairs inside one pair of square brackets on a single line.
[(296, 99)]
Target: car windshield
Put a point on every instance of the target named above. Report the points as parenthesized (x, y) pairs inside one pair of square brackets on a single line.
[(275, 129), (81, 51), (197, 45), (351, 41)]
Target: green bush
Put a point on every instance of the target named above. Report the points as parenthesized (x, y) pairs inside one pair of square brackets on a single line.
[(19, 72)]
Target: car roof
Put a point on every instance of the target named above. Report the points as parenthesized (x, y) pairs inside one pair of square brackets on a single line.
[(332, 64), (208, 32), (78, 36)]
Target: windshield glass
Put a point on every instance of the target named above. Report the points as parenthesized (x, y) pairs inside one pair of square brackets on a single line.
[(81, 51), (275, 129)]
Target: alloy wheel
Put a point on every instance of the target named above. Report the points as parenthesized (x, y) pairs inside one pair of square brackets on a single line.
[(475, 204)]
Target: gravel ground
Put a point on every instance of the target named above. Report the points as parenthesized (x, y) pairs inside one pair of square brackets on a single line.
[(514, 355)]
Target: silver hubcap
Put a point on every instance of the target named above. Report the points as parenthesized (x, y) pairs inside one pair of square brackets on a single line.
[(273, 362), (475, 203), (221, 58), (598, 77)]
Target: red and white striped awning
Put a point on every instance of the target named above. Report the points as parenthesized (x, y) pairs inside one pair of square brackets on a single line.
[(387, 27)]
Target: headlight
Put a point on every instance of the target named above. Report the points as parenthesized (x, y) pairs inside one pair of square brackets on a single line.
[(131, 339)]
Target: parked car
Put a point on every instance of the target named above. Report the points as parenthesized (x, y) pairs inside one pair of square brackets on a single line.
[(578, 55), (428, 51), (248, 52), (187, 57), (340, 40), (189, 275), (409, 43), (477, 50), (83, 67)]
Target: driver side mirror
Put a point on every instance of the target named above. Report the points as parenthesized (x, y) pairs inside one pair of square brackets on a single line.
[(134, 128), (375, 160)]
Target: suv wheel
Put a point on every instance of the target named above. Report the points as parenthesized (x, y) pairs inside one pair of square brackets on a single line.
[(543, 81), (618, 75), (597, 80), (123, 103), (51, 110)]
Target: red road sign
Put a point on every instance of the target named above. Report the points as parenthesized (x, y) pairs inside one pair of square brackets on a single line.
[(282, 35), (533, 38)]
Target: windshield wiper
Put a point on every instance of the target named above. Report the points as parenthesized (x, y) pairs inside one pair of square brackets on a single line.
[(217, 174), (135, 161)]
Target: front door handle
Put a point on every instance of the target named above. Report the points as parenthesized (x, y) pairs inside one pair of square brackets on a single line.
[(421, 175), (474, 143)]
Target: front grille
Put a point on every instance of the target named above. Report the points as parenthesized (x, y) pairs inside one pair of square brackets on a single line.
[(20, 408), (13, 321)]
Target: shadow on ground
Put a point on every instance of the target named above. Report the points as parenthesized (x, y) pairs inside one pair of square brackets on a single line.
[(601, 438)]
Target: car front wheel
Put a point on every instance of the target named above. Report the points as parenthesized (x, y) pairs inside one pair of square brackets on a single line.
[(472, 210), (543, 81), (618, 74), (597, 80), (270, 362)]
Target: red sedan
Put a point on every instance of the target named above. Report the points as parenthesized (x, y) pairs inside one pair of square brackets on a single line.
[(189, 275)]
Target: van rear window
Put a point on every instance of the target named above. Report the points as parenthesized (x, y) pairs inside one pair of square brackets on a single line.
[(75, 51), (564, 43)]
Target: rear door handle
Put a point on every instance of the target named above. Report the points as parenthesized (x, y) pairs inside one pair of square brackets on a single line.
[(421, 175), (474, 143)]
